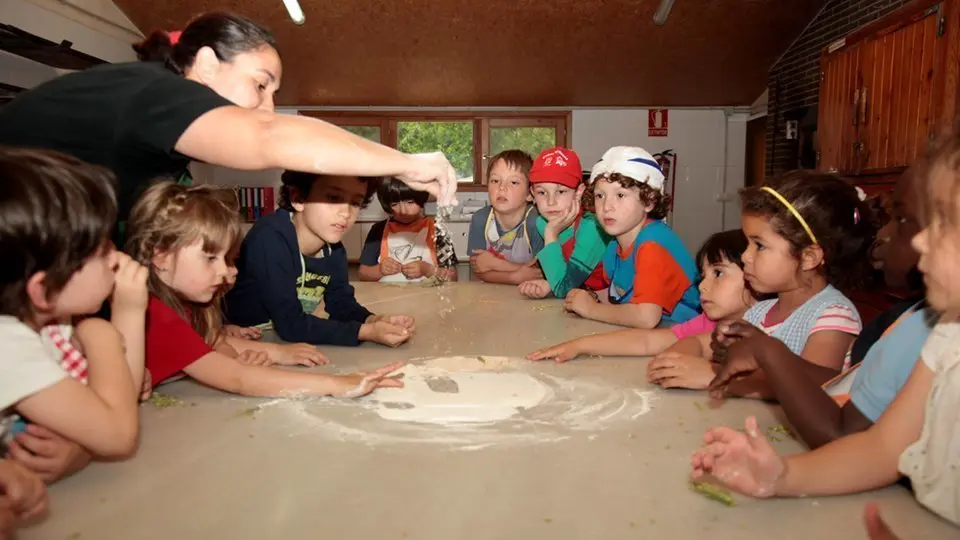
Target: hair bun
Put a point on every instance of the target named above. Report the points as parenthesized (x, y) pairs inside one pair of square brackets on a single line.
[(156, 48)]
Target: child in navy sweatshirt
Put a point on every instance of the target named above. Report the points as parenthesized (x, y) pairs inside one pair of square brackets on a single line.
[(292, 260)]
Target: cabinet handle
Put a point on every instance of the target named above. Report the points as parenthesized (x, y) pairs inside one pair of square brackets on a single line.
[(856, 107), (863, 106)]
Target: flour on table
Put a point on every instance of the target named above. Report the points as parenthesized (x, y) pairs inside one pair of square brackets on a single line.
[(468, 403), (460, 389)]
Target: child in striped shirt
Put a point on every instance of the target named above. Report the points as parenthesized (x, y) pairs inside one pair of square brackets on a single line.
[(807, 235)]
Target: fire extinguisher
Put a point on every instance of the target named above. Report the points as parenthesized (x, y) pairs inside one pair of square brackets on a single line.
[(668, 165)]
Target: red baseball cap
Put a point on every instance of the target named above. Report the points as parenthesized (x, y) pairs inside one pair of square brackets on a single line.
[(557, 166)]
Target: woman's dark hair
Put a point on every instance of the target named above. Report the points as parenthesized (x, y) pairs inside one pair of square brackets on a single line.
[(648, 195), (55, 213), (227, 34), (843, 225), (721, 246), (297, 186), (392, 191)]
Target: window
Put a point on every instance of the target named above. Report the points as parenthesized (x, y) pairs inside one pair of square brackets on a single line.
[(454, 139), (467, 139), (367, 132)]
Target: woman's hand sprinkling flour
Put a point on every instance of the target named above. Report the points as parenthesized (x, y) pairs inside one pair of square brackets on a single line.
[(745, 462), (434, 174), (362, 383)]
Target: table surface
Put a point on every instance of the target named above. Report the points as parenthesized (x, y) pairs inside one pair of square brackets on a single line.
[(609, 460)]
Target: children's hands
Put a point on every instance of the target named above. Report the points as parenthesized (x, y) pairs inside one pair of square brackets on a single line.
[(417, 269), (744, 462), (537, 288), (384, 333), (362, 383), (403, 321), (130, 288), (251, 357), (21, 491), (877, 529), (738, 349), (558, 353), (482, 260), (560, 223), (297, 354), (46, 454), (390, 267), (676, 370), (580, 302), (250, 332)]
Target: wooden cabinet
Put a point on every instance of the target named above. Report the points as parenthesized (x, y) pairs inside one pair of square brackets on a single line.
[(889, 88)]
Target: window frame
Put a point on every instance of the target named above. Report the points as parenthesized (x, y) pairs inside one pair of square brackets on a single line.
[(482, 123)]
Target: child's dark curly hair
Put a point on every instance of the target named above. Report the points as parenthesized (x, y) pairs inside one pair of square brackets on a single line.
[(648, 195), (844, 226), (297, 186)]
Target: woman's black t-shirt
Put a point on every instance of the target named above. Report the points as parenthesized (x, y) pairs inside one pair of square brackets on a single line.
[(126, 117)]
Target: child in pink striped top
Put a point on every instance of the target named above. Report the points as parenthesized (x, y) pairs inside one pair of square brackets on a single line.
[(723, 296)]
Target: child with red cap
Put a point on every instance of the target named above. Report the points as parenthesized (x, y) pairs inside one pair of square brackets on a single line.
[(574, 242)]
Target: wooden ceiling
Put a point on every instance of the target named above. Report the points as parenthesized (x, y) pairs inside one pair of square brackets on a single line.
[(514, 52)]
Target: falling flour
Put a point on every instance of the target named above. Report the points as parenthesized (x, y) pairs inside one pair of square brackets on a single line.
[(529, 407)]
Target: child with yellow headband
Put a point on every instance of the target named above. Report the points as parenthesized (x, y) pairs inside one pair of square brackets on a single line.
[(807, 235)]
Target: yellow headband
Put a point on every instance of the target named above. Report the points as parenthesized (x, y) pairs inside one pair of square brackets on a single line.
[(793, 211)]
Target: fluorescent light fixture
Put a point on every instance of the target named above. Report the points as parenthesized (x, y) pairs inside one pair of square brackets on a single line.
[(660, 17), (293, 8)]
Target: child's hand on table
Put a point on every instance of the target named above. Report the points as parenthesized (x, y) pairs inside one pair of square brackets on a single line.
[(677, 370), (735, 349), (558, 353), (241, 332), (390, 267), (362, 383), (46, 454), (22, 495), (404, 321), (384, 333), (580, 302), (417, 269), (296, 354), (482, 260), (876, 528), (745, 462), (251, 357), (537, 288)]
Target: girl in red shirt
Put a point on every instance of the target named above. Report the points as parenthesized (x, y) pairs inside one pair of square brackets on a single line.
[(185, 236)]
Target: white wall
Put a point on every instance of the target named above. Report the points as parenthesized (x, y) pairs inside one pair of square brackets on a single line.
[(710, 146), (708, 143), (95, 27)]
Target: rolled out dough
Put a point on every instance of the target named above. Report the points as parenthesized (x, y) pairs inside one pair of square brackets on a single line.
[(487, 392)]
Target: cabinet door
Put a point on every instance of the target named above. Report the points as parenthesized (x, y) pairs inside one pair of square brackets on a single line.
[(839, 98), (899, 78), (353, 242)]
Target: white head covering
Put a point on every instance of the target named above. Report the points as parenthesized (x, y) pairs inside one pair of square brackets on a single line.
[(630, 161)]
